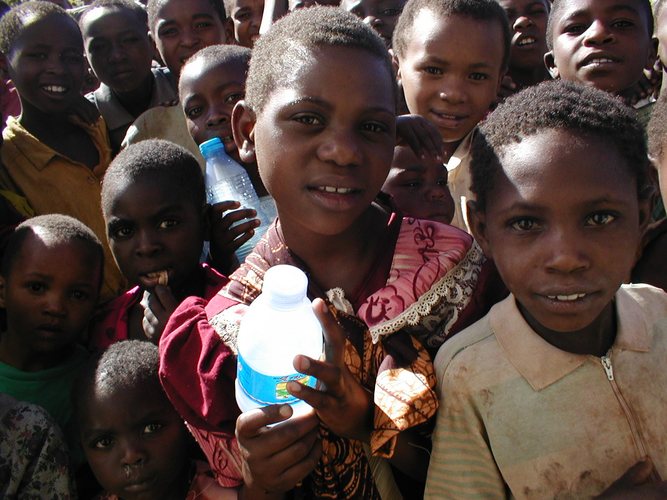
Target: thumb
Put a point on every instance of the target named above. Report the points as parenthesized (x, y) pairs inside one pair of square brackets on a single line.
[(334, 335), (638, 474), (164, 298)]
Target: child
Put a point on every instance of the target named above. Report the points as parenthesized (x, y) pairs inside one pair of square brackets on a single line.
[(120, 52), (528, 20), (135, 442), (156, 217), (381, 15), (652, 265), (50, 283), (54, 160), (179, 29), (397, 286), (246, 15), (418, 186), (603, 43), (452, 56), (561, 387)]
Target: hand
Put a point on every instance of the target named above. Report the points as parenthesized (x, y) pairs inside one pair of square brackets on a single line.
[(637, 483), (421, 135), (85, 110), (224, 239), (276, 458), (647, 86), (342, 403), (158, 306)]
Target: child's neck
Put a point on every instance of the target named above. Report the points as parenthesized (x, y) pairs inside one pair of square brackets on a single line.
[(596, 339), (14, 353), (345, 259), (526, 77), (450, 148), (138, 100)]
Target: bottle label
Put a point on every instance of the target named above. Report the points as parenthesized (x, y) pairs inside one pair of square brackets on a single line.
[(267, 389)]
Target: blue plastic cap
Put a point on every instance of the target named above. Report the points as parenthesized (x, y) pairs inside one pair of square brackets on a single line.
[(211, 147)]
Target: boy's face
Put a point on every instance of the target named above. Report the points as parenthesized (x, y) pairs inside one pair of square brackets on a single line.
[(602, 43), (152, 229), (381, 15), (182, 27), (208, 95), (118, 48), (323, 152), (50, 293), (46, 64), (564, 252), (528, 21), (247, 18), (418, 186), (451, 71), (135, 442)]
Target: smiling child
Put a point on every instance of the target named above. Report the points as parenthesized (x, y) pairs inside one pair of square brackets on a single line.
[(561, 387)]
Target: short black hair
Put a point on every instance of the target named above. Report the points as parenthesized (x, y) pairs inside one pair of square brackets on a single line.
[(278, 54), (136, 8), (55, 229), (557, 8), (217, 55), (163, 163), (657, 128), (480, 10), (20, 16), (559, 105), (154, 6), (123, 365)]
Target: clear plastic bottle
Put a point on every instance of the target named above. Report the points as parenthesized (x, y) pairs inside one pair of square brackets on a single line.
[(277, 326), (227, 180)]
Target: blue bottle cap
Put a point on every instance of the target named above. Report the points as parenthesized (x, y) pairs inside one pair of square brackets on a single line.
[(211, 147)]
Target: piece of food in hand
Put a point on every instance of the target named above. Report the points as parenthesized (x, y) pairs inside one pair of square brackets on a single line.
[(156, 278)]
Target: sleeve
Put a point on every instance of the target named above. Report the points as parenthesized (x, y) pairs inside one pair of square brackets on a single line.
[(197, 369), (462, 464)]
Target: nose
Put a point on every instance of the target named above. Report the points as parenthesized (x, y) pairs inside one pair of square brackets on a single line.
[(133, 453), (451, 90), (567, 252), (436, 192), (117, 53), (216, 117), (55, 304), (189, 38), (598, 34), (56, 65), (148, 244), (340, 147), (522, 22)]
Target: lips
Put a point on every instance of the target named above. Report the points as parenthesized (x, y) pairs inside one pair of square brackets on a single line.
[(54, 89), (447, 120), (526, 41), (151, 279), (599, 60)]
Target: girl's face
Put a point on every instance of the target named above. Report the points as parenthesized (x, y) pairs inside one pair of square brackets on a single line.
[(563, 225), (323, 151), (135, 443), (528, 21)]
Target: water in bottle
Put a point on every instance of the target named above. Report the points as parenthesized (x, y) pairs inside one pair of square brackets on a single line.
[(227, 180), (277, 326)]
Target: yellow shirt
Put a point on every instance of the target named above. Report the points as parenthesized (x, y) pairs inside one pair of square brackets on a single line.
[(53, 183)]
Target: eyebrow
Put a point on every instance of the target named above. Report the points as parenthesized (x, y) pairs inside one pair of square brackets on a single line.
[(477, 65), (613, 9), (320, 102)]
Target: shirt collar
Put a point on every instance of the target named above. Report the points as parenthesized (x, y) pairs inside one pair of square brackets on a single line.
[(461, 152), (543, 364)]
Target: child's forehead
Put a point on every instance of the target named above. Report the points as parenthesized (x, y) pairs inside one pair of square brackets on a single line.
[(177, 10), (40, 30), (224, 72), (592, 8), (101, 15), (149, 195)]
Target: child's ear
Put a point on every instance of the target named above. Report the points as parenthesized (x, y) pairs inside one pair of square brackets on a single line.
[(477, 224), (652, 55), (243, 128), (396, 66), (550, 63)]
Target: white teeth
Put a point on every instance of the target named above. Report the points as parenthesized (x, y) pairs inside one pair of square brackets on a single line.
[(567, 298), (57, 89), (332, 189), (526, 41), (602, 60)]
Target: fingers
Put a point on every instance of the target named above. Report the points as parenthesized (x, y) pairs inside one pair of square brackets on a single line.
[(162, 299), (250, 423), (638, 474)]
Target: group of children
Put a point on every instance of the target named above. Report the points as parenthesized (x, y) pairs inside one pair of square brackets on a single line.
[(469, 260)]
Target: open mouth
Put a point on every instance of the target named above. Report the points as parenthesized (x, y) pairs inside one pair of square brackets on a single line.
[(55, 89), (527, 40), (154, 278), (567, 298), (598, 60), (335, 190)]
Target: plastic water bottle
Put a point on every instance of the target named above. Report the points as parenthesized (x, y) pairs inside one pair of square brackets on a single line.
[(227, 180), (277, 326)]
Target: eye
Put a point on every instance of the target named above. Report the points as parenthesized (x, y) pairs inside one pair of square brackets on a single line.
[(432, 70), (413, 184), (600, 219), (152, 428), (79, 295), (120, 232), (233, 98), (35, 287), (375, 127), (574, 29), (202, 25), (167, 32), (308, 119), (103, 442), (168, 223), (442, 181), (622, 23), (478, 77), (524, 224), (37, 55), (194, 112), (390, 12)]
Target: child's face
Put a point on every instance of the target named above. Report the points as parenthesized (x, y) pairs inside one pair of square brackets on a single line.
[(182, 27), (418, 186), (50, 294), (208, 95), (247, 17), (118, 48), (563, 252), (451, 71), (602, 43), (323, 152), (46, 64), (135, 443), (152, 229), (528, 20), (381, 15)]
